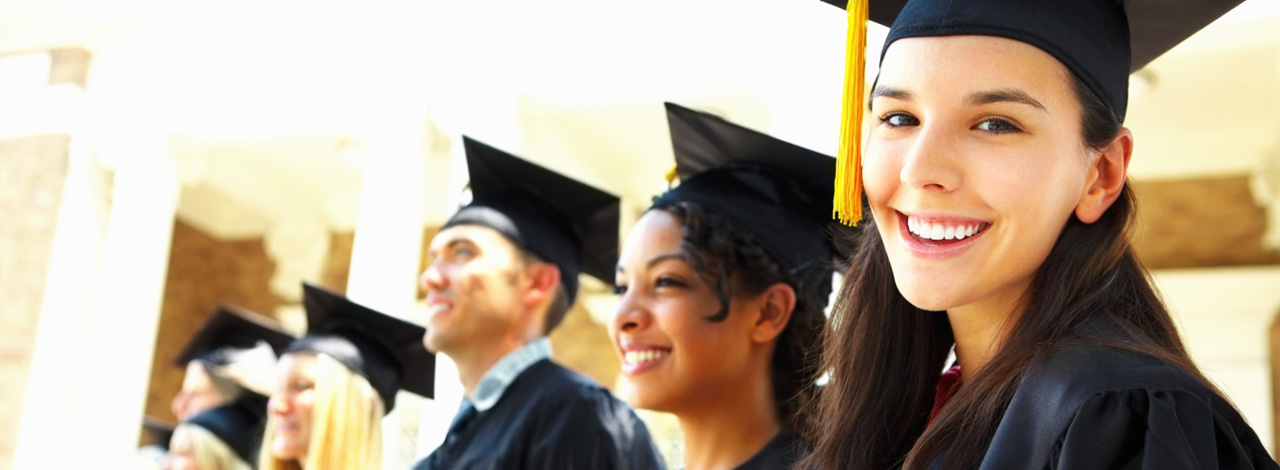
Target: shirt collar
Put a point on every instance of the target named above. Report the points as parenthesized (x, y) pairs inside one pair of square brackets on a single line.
[(495, 382)]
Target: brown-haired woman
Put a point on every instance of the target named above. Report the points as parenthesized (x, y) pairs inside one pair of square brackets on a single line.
[(722, 286), (996, 176)]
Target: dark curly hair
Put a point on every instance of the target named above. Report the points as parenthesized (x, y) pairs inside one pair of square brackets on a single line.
[(732, 263)]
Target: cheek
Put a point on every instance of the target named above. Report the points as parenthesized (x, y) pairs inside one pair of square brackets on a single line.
[(303, 404), (880, 174)]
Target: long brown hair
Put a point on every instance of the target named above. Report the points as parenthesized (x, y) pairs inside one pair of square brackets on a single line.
[(885, 355)]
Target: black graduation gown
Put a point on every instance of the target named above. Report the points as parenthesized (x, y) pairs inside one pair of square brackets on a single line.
[(549, 418), (781, 453), (1098, 408)]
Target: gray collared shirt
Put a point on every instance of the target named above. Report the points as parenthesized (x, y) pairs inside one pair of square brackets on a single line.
[(495, 382)]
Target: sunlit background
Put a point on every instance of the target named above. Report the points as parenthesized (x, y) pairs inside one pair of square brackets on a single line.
[(157, 158)]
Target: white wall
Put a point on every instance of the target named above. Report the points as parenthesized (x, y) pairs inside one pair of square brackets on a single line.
[(1225, 315)]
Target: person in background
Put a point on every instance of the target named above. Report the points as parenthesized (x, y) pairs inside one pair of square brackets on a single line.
[(233, 352), (221, 438), (334, 385), (503, 273), (722, 286)]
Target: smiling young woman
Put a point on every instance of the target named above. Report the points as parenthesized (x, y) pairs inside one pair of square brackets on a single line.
[(722, 284), (995, 171)]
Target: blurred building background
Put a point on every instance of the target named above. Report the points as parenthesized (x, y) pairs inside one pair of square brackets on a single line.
[(157, 158)]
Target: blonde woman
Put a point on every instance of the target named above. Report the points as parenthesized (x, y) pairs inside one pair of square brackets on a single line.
[(195, 448), (222, 438), (335, 384)]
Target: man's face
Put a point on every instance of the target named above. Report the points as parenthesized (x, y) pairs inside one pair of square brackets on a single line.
[(473, 286)]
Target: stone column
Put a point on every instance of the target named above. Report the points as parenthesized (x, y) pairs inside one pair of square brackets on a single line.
[(387, 248), (54, 205), (101, 307), (1265, 185)]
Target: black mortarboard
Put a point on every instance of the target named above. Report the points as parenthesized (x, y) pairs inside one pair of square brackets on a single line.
[(238, 424), (385, 350), (231, 330), (1099, 41), (778, 192), (563, 221), (156, 433)]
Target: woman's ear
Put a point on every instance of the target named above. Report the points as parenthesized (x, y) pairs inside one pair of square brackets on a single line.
[(1106, 178), (777, 304)]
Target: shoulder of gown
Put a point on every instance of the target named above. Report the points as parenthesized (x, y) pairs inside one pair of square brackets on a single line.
[(781, 453), (1095, 407), (578, 423)]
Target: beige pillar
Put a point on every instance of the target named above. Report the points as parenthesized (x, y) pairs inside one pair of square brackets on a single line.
[(94, 345), (388, 246)]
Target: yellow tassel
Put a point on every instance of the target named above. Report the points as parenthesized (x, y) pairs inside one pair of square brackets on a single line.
[(672, 174), (848, 193)]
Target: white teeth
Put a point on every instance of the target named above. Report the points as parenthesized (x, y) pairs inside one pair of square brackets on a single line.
[(636, 357), (938, 231)]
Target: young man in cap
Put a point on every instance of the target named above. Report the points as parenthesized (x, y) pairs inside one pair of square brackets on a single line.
[(503, 274)]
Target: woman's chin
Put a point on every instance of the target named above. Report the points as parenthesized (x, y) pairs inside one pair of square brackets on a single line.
[(639, 397), (285, 449), (928, 299)]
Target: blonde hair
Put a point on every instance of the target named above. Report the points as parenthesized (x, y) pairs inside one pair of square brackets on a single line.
[(346, 423), (210, 451)]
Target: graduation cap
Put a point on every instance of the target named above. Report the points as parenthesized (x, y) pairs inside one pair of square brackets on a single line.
[(778, 192), (385, 350), (238, 424), (565, 222), (230, 331), (1100, 41)]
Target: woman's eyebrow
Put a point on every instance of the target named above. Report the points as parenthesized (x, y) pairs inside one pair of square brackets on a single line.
[(1007, 95), (658, 259), (890, 92)]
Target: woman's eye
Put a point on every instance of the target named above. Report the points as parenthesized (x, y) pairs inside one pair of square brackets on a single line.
[(899, 120), (997, 126), (669, 282), (619, 289)]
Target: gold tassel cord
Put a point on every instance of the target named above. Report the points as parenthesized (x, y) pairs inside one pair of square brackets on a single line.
[(672, 174), (848, 191)]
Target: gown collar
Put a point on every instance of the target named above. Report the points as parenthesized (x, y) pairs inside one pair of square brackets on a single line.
[(495, 382)]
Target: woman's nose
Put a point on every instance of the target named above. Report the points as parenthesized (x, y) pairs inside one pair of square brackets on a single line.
[(630, 316), (277, 404), (927, 165)]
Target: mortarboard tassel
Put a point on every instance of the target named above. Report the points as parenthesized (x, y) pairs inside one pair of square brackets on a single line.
[(848, 191), (672, 174)]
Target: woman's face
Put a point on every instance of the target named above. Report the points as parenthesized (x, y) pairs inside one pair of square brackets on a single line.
[(973, 165), (290, 406), (197, 394), (182, 455), (672, 356)]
